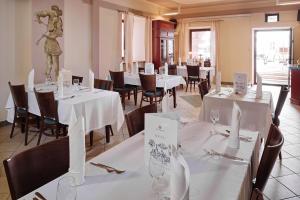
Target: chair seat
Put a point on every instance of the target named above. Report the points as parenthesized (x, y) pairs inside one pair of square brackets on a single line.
[(193, 78), (159, 92), (21, 111), (122, 89), (132, 87), (50, 121)]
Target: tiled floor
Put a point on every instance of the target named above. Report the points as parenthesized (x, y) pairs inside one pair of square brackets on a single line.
[(284, 182)]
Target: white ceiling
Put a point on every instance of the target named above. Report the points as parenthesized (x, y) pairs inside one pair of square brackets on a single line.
[(196, 1)]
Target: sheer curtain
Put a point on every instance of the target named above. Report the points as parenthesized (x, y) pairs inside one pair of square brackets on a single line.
[(215, 44), (148, 40), (129, 22), (119, 39)]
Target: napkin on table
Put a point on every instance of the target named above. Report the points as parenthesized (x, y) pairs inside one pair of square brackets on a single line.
[(180, 177), (259, 87), (91, 79), (77, 150), (31, 80), (149, 68), (218, 82), (60, 84), (234, 138), (166, 69)]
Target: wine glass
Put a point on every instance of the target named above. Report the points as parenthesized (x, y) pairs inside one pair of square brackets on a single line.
[(76, 83), (66, 189), (157, 170), (214, 117)]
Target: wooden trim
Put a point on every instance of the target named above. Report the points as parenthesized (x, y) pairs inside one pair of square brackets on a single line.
[(195, 30)]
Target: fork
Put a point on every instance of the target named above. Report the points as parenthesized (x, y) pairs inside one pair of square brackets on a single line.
[(108, 168)]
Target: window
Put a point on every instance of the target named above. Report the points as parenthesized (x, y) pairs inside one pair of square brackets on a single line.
[(272, 17), (200, 43)]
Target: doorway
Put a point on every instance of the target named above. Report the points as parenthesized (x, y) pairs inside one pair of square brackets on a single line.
[(272, 55)]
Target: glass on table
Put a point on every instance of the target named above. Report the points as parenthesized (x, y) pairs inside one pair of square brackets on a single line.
[(66, 189), (157, 171), (214, 117)]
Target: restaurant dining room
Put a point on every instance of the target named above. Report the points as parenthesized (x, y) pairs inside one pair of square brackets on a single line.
[(150, 100)]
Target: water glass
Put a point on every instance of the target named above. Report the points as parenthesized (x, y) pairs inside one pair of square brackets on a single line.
[(66, 189)]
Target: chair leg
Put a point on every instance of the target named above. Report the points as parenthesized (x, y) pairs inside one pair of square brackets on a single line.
[(129, 95), (91, 138), (187, 85), (151, 100), (135, 96), (174, 97), (107, 133), (141, 100), (37, 122), (110, 128), (13, 128), (123, 99), (40, 135), (57, 131), (65, 131), (26, 131), (280, 156), (194, 85)]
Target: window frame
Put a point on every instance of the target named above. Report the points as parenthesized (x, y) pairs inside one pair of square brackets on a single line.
[(191, 33), (267, 15)]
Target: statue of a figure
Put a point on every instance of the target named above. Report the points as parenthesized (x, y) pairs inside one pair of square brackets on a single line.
[(51, 45)]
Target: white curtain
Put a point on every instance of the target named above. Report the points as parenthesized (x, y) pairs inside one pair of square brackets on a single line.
[(148, 40), (129, 22), (119, 39), (215, 44)]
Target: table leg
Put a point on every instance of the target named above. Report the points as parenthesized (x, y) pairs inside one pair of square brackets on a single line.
[(174, 96), (107, 132), (208, 80), (91, 138)]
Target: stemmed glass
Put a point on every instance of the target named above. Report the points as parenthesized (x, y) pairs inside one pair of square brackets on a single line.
[(214, 117), (157, 171), (66, 189), (76, 83)]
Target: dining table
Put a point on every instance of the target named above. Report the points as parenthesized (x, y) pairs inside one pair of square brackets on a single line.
[(168, 82), (99, 108), (256, 112), (226, 176)]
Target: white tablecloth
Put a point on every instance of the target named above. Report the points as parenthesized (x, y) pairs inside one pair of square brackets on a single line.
[(182, 71), (161, 80), (99, 108), (256, 113), (211, 178)]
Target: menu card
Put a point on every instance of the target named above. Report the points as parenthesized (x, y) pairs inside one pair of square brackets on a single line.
[(240, 83), (161, 133)]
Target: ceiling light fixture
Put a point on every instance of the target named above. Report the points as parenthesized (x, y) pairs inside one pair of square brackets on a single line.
[(171, 13), (287, 2)]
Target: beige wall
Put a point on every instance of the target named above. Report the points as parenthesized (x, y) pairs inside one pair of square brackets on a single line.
[(77, 37), (236, 42), (110, 49)]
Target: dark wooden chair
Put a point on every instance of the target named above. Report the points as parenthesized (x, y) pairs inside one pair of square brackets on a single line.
[(271, 151), (103, 85), (257, 194), (172, 70), (203, 88), (280, 103), (281, 100), (80, 78), (122, 88), (37, 166), (149, 89), (135, 119), (49, 115), (193, 76), (21, 116)]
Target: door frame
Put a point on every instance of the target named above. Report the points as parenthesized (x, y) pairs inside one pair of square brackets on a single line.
[(291, 46)]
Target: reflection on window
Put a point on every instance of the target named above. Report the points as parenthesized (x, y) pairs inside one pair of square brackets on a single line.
[(200, 43)]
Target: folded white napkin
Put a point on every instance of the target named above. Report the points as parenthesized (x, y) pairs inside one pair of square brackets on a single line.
[(234, 138), (149, 68), (91, 79), (31, 80), (180, 177), (218, 82), (121, 66), (165, 101), (60, 84), (259, 87), (179, 61), (166, 67), (136, 68), (77, 150)]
